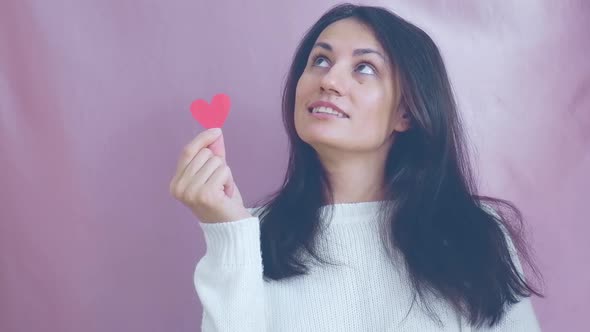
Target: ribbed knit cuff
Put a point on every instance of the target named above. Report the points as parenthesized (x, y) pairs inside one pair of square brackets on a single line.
[(235, 243)]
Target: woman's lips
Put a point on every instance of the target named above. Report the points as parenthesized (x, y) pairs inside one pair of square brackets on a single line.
[(326, 115), (324, 103)]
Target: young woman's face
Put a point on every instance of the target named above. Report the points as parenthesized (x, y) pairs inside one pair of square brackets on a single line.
[(348, 68)]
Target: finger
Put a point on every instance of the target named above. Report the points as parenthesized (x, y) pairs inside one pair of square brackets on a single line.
[(202, 140), (192, 168), (197, 181), (189, 153), (222, 178)]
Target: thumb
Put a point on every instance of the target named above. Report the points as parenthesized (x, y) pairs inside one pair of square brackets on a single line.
[(218, 149)]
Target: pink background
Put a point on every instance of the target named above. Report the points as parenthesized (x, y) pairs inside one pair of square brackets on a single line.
[(94, 99)]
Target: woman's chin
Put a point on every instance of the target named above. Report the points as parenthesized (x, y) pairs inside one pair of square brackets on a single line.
[(317, 137)]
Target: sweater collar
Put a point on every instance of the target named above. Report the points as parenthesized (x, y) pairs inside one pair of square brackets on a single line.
[(354, 212)]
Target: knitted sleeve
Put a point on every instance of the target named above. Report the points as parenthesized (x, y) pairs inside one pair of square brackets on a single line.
[(228, 278)]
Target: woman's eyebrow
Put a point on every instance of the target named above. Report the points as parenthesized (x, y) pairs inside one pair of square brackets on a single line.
[(356, 52)]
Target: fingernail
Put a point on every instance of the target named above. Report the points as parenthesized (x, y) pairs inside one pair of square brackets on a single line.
[(216, 131)]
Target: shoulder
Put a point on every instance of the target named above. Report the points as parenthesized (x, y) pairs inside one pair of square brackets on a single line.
[(489, 209), (255, 211), (507, 234)]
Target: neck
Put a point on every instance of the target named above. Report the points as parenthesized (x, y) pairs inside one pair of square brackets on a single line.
[(356, 182)]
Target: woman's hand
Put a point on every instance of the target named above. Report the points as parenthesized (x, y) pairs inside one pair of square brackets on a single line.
[(204, 183)]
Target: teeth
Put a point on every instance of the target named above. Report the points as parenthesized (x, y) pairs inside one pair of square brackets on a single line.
[(327, 110)]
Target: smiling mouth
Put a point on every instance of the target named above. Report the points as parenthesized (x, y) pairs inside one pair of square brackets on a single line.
[(326, 110)]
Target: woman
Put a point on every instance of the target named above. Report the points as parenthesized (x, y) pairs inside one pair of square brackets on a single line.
[(377, 226)]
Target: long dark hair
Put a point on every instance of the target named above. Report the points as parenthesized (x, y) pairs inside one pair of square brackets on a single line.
[(451, 243)]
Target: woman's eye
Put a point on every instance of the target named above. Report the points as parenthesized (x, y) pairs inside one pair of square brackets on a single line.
[(366, 68), (318, 59), (364, 65)]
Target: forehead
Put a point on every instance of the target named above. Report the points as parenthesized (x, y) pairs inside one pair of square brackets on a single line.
[(349, 34)]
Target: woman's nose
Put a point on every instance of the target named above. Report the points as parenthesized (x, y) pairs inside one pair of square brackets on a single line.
[(333, 81)]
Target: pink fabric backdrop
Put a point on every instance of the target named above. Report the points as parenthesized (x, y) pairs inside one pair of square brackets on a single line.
[(94, 100)]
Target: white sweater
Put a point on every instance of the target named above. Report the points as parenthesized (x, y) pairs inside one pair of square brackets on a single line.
[(369, 293)]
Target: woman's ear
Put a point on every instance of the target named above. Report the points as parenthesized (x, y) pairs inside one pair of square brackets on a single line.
[(404, 121)]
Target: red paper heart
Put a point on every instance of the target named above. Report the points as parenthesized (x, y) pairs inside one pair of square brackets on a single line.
[(214, 115)]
